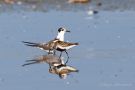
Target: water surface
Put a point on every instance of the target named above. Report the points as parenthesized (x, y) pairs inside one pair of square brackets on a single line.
[(105, 56)]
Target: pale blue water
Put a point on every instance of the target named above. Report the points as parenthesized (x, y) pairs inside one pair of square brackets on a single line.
[(105, 56)]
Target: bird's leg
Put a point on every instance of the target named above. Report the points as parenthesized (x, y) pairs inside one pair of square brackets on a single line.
[(60, 55), (49, 66), (54, 52), (67, 57), (54, 49), (49, 51)]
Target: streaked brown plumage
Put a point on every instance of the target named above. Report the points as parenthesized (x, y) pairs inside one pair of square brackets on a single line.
[(49, 46), (65, 44)]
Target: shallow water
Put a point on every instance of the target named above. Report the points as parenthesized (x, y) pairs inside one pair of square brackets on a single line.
[(105, 56)]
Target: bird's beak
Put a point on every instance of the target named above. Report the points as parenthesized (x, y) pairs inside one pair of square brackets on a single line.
[(67, 31)]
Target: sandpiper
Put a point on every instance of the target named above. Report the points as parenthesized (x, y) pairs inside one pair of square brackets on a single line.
[(49, 59), (62, 70), (49, 46), (64, 46)]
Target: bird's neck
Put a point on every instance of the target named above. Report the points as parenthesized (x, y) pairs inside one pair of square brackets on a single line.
[(60, 36)]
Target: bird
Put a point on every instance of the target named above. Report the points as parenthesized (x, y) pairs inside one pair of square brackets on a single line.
[(49, 59), (64, 46), (62, 70), (49, 46)]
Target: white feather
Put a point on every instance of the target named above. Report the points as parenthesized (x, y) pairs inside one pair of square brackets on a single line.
[(68, 47)]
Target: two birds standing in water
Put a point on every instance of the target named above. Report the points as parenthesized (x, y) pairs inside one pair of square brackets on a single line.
[(56, 63)]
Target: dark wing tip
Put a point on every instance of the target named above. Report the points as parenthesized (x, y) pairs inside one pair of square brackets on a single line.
[(77, 70), (28, 42), (23, 65), (76, 43)]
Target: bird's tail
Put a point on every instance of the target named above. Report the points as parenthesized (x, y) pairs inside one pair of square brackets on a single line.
[(31, 62), (31, 44), (76, 43), (77, 70)]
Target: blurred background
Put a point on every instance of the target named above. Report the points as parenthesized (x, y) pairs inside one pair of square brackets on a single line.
[(105, 30)]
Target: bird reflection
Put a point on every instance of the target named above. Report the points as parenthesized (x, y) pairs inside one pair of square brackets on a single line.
[(56, 65), (62, 70), (49, 59)]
